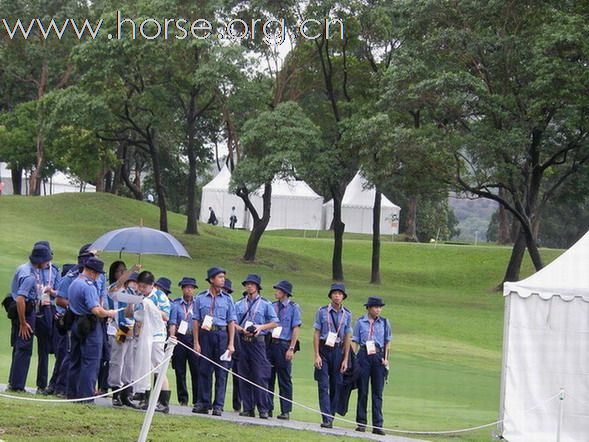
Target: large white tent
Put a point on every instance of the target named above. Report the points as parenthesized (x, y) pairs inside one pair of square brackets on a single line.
[(546, 349), (294, 206), (216, 194), (357, 205), (58, 183)]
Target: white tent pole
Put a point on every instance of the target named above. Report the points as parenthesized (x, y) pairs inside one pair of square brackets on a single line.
[(560, 413), (156, 391)]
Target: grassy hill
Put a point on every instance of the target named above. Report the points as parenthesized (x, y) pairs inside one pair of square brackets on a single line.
[(447, 320)]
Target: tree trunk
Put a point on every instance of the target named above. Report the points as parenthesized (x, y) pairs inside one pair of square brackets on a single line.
[(16, 177), (260, 224), (337, 269), (35, 179), (375, 274), (515, 261), (159, 187), (191, 217), (411, 220), (503, 230)]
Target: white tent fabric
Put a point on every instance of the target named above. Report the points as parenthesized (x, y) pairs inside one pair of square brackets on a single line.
[(294, 206), (546, 348), (216, 194), (58, 183), (357, 205)]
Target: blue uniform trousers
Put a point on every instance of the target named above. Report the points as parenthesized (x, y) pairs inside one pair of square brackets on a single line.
[(85, 356), (371, 369), (253, 364), (102, 374), (329, 380), (44, 333), (281, 369), (180, 358), (64, 368), (212, 345), (21, 354), (60, 347)]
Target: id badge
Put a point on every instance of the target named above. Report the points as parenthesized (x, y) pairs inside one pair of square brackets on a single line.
[(331, 339), (247, 325), (276, 332), (370, 347), (183, 327), (207, 323)]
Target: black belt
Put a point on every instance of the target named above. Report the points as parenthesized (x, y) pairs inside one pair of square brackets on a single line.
[(218, 328), (245, 338), (280, 341), (336, 345)]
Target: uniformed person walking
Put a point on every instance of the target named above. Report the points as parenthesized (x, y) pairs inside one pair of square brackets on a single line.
[(181, 327), (372, 336), (26, 289), (255, 318), (87, 335), (214, 333), (283, 346), (331, 342)]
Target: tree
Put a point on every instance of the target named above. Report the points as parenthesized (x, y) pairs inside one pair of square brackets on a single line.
[(505, 84)]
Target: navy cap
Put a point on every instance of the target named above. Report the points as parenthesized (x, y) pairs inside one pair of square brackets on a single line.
[(187, 280), (95, 264), (339, 287), (43, 243), (228, 287), (214, 271), (133, 277), (165, 284), (40, 254), (66, 268), (285, 286), (85, 250), (252, 277), (374, 301)]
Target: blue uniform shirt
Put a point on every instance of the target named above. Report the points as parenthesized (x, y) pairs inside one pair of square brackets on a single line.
[(64, 284), (182, 311), (24, 282), (261, 312), (223, 310), (337, 322), (363, 331), (83, 296), (289, 315)]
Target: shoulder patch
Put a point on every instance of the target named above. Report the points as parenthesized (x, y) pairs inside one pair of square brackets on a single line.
[(89, 282)]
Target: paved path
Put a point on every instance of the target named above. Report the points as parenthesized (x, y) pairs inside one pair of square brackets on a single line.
[(272, 422)]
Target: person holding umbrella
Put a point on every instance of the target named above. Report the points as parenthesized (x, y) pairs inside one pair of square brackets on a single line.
[(372, 336)]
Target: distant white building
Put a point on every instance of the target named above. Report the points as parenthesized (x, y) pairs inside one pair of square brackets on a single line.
[(58, 183)]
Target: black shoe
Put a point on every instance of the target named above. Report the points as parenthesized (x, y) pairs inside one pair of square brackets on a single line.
[(378, 431), (249, 413), (163, 404), (283, 416), (125, 398), (116, 400), (183, 403), (264, 415), (217, 412), (200, 410), (42, 391), (144, 404), (326, 424), (11, 389), (361, 428), (50, 389)]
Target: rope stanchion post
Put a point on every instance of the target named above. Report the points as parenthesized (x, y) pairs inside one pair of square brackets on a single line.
[(156, 391), (560, 413)]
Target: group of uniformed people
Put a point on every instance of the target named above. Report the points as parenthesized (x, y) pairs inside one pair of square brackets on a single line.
[(109, 334)]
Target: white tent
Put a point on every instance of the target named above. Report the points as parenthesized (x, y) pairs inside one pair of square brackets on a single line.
[(546, 348), (58, 183), (216, 194), (294, 206), (357, 205)]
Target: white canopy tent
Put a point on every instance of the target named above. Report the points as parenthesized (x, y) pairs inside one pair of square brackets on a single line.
[(546, 348), (357, 205), (294, 206), (216, 194), (58, 183)]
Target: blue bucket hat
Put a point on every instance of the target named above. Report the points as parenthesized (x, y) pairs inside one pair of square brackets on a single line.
[(374, 301), (228, 286), (285, 286), (95, 264), (40, 254), (66, 268), (252, 277), (187, 280), (43, 243), (339, 287), (165, 284), (133, 277), (214, 271)]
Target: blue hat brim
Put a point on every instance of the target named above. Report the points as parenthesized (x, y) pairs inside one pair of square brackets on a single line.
[(252, 282), (283, 289)]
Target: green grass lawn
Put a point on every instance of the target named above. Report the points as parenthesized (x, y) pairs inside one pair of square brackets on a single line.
[(447, 319)]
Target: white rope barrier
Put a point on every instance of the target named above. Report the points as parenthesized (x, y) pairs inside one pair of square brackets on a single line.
[(33, 399), (341, 419)]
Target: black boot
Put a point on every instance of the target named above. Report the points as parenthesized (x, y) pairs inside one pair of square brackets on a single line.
[(145, 402), (140, 398), (116, 400), (163, 405), (125, 397)]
